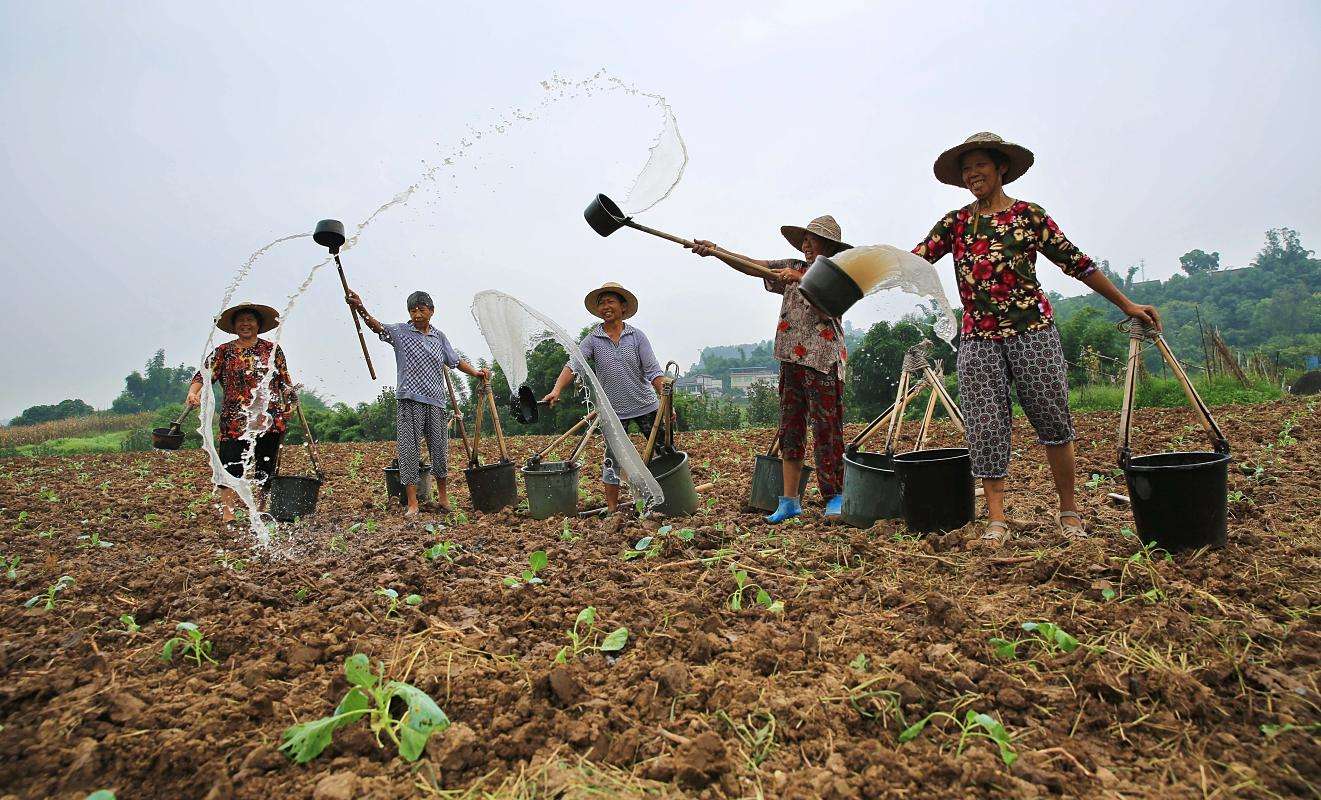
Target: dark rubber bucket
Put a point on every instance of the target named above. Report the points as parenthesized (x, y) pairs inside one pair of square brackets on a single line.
[(293, 496), (329, 233), (492, 486), (829, 288), (936, 491), (676, 482), (871, 490), (552, 489), (524, 405), (167, 438), (768, 483), (396, 489), (604, 216), (1179, 499)]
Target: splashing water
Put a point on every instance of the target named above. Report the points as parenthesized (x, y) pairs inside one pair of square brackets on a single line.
[(511, 328), (878, 267), (667, 157)]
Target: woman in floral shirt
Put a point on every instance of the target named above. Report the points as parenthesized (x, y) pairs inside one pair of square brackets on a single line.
[(1008, 334), (238, 367), (810, 349)]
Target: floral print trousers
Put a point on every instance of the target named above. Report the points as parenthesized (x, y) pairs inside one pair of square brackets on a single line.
[(805, 393), (1033, 362)]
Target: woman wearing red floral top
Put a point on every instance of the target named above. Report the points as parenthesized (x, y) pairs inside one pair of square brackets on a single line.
[(810, 349), (238, 367), (1008, 335)]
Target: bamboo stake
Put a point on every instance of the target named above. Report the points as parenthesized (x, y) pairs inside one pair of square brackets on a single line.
[(458, 413), (495, 420), (926, 419)]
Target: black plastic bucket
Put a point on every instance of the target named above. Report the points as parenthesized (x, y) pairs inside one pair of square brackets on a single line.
[(293, 496), (871, 490), (492, 486), (829, 288), (396, 489), (676, 482), (768, 483), (170, 438), (936, 491), (604, 216), (1179, 499), (552, 488)]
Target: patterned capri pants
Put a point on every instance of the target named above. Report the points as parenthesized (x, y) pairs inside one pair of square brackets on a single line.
[(609, 473), (806, 393), (417, 421), (1033, 361)]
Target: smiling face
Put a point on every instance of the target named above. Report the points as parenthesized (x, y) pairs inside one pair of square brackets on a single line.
[(610, 306), (981, 174), (814, 246), (246, 325), (420, 315)]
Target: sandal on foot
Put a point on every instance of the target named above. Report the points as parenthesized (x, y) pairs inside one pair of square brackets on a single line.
[(997, 531), (1074, 530)]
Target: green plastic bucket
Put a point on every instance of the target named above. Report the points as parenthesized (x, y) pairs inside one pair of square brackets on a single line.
[(676, 482), (552, 488)]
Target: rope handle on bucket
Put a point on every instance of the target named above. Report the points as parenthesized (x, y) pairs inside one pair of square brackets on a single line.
[(1138, 332), (663, 416)]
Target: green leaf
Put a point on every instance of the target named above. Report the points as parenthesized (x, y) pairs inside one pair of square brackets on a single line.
[(305, 741), (615, 641), (562, 657), (101, 794), (510, 581), (686, 534), (358, 670), (422, 719), (913, 731), (167, 652), (643, 543), (1004, 648), (355, 702), (586, 617), (538, 560), (33, 601), (189, 627), (664, 529), (776, 608), (1065, 641), (740, 577), (1108, 594), (413, 600)]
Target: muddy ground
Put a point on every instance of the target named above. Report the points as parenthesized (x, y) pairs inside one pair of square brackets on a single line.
[(1196, 676)]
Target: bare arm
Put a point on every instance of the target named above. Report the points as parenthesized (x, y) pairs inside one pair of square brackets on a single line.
[(702, 247), (355, 302), (469, 369), (564, 379)]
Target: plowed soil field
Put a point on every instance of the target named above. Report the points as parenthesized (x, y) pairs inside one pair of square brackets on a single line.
[(1195, 676)]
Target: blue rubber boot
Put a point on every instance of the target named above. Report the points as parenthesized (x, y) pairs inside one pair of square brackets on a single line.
[(835, 506), (789, 507)]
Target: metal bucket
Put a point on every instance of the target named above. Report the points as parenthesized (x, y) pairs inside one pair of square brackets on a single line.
[(676, 482), (936, 491), (552, 488), (768, 483), (829, 288), (871, 489), (604, 216), (1179, 499), (396, 489), (293, 496), (492, 486)]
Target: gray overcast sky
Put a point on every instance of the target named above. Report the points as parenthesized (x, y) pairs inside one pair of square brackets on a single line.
[(149, 148)]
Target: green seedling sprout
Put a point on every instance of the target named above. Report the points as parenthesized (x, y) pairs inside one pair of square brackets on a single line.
[(193, 644), (93, 540), (392, 600), (130, 623), (859, 664), (585, 637), (647, 546), (300, 595), (1046, 636), (763, 597), (990, 728), (11, 567), (51, 595), (369, 696), (445, 550), (101, 794), (536, 561)]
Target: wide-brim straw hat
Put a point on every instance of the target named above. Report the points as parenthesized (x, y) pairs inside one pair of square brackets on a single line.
[(949, 170), (270, 318), (593, 299), (826, 227)]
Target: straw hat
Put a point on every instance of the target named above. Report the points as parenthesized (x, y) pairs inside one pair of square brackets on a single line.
[(270, 318), (948, 170), (826, 227), (593, 299)]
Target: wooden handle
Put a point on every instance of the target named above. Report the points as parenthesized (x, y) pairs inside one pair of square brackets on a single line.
[(495, 420), (476, 457), (311, 440), (662, 414), (868, 432), (748, 263), (577, 426), (775, 445), (458, 412), (357, 324), (926, 419), (582, 443), (951, 408)]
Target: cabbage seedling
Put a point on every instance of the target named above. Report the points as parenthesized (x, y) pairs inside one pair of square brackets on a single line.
[(445, 550), (11, 567), (972, 726), (369, 696), (585, 637), (130, 623), (763, 597), (194, 645), (1046, 635), (93, 540), (536, 562), (51, 597)]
